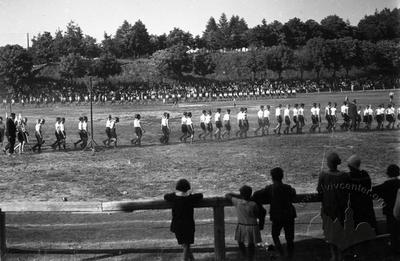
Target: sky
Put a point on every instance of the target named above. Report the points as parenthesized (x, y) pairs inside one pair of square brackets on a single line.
[(19, 17)]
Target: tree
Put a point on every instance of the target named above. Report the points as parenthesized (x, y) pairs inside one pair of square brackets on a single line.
[(42, 49), (203, 63), (316, 49), (237, 29), (351, 53), (335, 27), (107, 65), (223, 31), (210, 35), (295, 32), (121, 40), (255, 61), (388, 58), (90, 47), (333, 58), (179, 37), (15, 67), (138, 40), (383, 25), (73, 39), (302, 61), (173, 61), (313, 29), (109, 45), (279, 58), (73, 66)]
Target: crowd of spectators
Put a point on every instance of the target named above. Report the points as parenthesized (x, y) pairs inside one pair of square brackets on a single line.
[(189, 91)]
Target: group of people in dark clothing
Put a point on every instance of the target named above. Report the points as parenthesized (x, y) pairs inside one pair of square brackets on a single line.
[(338, 191)]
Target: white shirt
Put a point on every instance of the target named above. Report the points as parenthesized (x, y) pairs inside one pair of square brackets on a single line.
[(183, 120), (80, 125), (240, 116), (84, 126), (277, 112), (62, 127), (344, 109), (188, 121), (370, 111), (38, 127), (112, 124), (314, 111), (208, 119), (301, 111), (333, 111), (286, 112), (295, 112), (217, 116), (266, 113), (226, 117), (136, 123), (390, 110), (260, 114), (108, 123), (164, 121), (202, 118), (317, 110)]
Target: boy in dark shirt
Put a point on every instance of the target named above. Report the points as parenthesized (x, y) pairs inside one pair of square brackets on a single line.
[(182, 216), (388, 191), (282, 212)]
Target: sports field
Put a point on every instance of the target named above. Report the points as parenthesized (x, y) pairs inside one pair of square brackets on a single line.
[(214, 168)]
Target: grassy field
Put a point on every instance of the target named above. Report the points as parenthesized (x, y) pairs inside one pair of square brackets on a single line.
[(213, 168)]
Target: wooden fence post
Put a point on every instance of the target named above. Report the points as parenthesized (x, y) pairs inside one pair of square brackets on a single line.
[(3, 247), (219, 233)]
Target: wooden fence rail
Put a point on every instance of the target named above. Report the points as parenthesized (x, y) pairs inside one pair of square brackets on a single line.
[(216, 203)]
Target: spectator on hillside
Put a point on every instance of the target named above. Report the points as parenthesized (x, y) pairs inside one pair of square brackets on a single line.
[(360, 200), (333, 199), (282, 213), (247, 229), (182, 215), (388, 191)]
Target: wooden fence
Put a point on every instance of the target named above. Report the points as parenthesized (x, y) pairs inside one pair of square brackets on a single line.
[(216, 203)]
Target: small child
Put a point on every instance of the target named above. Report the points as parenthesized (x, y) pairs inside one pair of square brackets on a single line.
[(182, 216), (247, 229), (282, 212)]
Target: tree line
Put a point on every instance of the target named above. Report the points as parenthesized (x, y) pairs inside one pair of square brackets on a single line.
[(332, 45)]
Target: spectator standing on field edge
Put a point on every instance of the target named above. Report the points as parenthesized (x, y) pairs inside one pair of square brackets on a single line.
[(388, 191), (282, 213), (182, 216), (11, 134), (333, 198)]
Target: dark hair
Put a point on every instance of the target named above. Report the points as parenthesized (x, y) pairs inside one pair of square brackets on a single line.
[(137, 116), (182, 185), (245, 192), (277, 174), (393, 170), (1, 118)]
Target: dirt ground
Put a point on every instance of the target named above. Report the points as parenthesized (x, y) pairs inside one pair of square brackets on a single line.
[(213, 168)]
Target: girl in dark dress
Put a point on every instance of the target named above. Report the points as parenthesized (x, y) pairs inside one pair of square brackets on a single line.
[(182, 215)]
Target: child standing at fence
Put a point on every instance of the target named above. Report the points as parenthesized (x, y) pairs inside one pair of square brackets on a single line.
[(182, 215), (247, 229)]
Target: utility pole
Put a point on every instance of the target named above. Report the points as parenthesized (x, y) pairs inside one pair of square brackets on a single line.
[(27, 41)]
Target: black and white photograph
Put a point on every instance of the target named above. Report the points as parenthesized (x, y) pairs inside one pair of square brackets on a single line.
[(208, 130)]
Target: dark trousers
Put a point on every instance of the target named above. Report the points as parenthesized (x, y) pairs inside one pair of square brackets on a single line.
[(393, 227), (288, 226), (165, 137), (38, 143), (11, 144)]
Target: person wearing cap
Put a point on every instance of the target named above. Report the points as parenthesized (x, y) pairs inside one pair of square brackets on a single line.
[(333, 198), (11, 134), (360, 199), (388, 191), (182, 224)]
